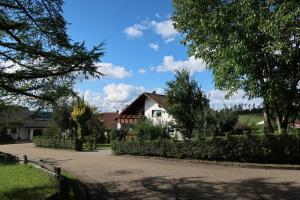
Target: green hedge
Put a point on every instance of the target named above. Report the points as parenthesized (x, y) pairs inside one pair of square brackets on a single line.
[(242, 148), (55, 142)]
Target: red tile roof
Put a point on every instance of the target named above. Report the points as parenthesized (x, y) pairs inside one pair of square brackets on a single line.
[(158, 98), (110, 120)]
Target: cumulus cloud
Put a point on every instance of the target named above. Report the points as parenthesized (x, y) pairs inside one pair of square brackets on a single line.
[(121, 92), (112, 71), (218, 100), (134, 31), (142, 71), (159, 90), (191, 64), (115, 97), (165, 29), (154, 46)]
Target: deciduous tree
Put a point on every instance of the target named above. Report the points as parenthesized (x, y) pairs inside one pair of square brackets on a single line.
[(185, 101), (248, 44)]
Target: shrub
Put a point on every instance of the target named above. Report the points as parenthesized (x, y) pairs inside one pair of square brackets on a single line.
[(146, 130), (241, 148), (218, 123), (56, 142), (117, 134)]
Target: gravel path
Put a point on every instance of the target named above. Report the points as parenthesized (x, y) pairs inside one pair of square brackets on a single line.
[(117, 177)]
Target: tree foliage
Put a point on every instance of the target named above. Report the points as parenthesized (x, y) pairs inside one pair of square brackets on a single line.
[(248, 44), (37, 58), (185, 101), (81, 114), (62, 114)]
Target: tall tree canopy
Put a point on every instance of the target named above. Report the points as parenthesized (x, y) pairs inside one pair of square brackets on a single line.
[(248, 44), (185, 101), (38, 60)]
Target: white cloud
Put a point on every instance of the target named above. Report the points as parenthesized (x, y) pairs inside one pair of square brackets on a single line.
[(114, 96), (165, 29), (112, 71), (9, 67), (218, 100), (159, 90), (134, 31), (142, 71), (154, 46), (157, 15), (121, 92), (192, 64)]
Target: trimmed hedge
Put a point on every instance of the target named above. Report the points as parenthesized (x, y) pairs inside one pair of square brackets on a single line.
[(283, 148), (55, 142)]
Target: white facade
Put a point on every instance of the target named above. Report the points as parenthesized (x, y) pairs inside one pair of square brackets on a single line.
[(155, 113), (21, 133)]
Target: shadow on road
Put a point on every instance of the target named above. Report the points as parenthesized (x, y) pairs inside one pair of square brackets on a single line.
[(195, 188)]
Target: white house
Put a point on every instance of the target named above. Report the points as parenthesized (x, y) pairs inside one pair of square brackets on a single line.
[(147, 106), (22, 124)]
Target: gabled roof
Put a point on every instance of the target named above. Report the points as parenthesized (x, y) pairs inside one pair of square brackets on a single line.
[(110, 120), (139, 102), (158, 98)]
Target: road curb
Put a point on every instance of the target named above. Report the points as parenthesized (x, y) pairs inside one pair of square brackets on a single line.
[(222, 163)]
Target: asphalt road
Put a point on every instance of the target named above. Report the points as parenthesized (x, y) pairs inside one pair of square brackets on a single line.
[(118, 177)]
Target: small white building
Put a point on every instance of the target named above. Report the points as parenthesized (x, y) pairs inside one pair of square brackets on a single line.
[(22, 124), (147, 106)]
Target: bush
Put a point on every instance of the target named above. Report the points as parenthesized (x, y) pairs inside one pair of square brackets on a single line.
[(218, 123), (241, 148), (117, 134), (57, 142), (146, 130)]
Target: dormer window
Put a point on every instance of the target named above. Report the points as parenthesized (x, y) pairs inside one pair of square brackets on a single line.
[(156, 113)]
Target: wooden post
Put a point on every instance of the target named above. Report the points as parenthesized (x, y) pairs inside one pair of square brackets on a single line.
[(25, 160), (57, 170)]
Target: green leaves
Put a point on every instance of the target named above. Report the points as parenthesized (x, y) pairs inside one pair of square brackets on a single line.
[(249, 45), (185, 101), (40, 62)]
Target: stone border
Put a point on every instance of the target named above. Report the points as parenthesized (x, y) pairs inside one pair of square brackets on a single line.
[(221, 163)]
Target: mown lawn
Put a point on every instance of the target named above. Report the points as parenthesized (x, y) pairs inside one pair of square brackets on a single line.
[(24, 182), (251, 118), (104, 146)]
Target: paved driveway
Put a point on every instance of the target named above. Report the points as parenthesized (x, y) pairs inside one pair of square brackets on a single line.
[(118, 177)]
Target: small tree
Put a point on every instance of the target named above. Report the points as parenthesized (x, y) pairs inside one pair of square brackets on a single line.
[(62, 115), (81, 114), (185, 101), (95, 129)]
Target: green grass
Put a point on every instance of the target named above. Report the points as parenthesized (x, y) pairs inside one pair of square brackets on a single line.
[(104, 146), (251, 118), (24, 182), (71, 188)]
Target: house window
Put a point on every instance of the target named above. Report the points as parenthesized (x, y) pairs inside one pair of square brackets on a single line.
[(156, 113)]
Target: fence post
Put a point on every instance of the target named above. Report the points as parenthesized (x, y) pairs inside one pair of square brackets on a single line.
[(25, 160), (57, 170)]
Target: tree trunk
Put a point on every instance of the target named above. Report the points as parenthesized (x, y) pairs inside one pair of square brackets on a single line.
[(267, 120), (279, 124)]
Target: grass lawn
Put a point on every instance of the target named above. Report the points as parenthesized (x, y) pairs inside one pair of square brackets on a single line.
[(24, 182), (104, 146), (72, 189), (251, 118)]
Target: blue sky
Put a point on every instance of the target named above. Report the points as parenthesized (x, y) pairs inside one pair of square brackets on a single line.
[(142, 50)]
